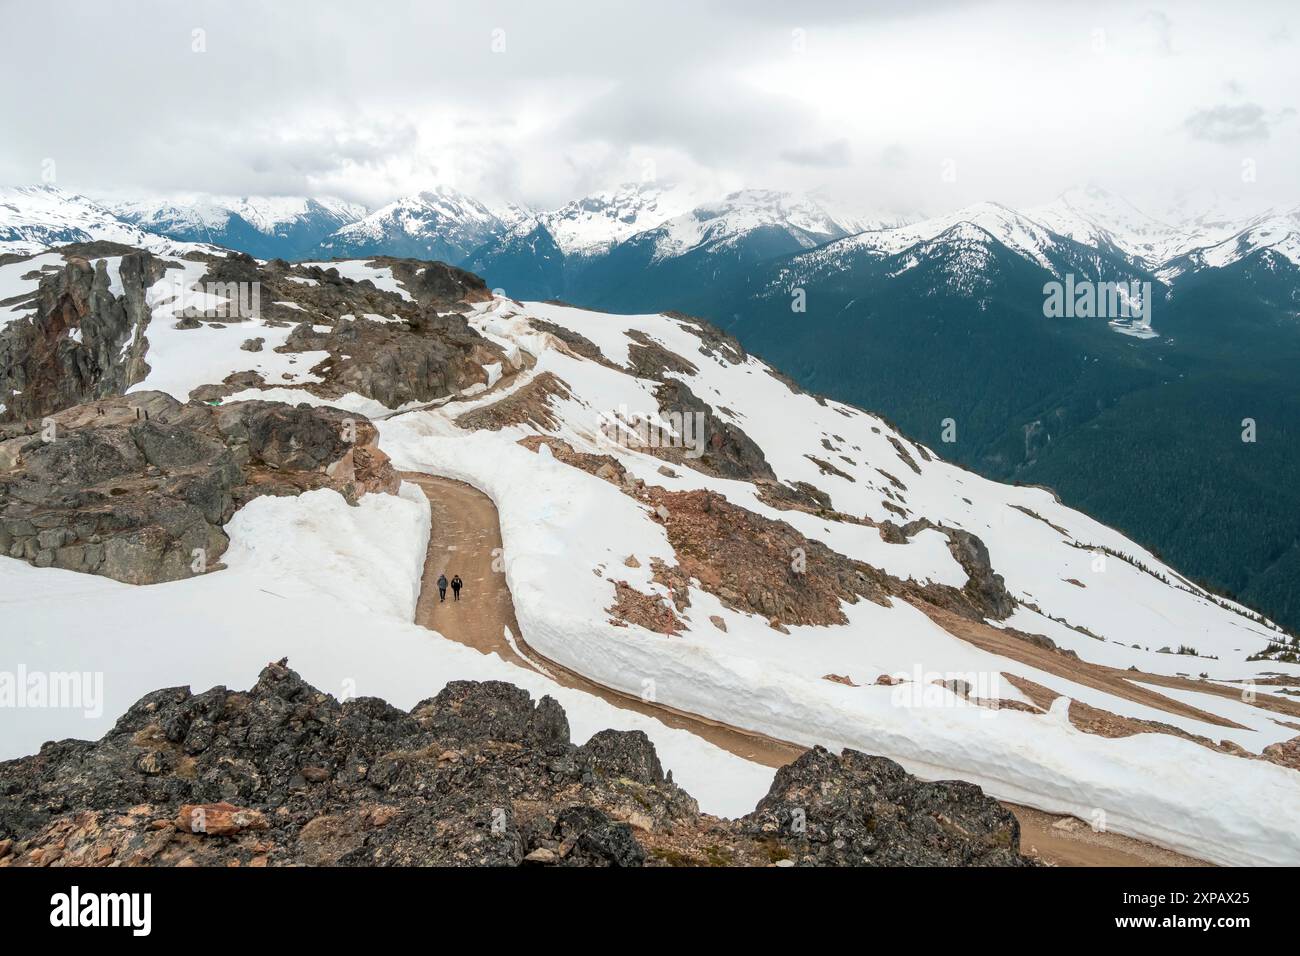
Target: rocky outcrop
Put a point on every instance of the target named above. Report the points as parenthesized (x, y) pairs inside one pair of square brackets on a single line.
[(714, 342), (436, 284), (854, 808), (425, 357), (478, 775), (985, 588), (88, 338), (724, 450), (84, 341), (137, 488), (530, 403)]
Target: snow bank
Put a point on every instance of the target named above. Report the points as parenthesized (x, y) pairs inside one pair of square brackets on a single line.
[(332, 588)]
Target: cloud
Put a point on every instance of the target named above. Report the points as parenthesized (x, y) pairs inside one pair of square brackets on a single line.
[(1229, 125), (323, 96), (1162, 29), (833, 154)]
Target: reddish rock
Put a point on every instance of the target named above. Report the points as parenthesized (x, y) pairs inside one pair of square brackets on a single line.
[(219, 819)]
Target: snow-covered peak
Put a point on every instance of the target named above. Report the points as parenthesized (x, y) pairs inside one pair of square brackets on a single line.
[(1279, 232), (1017, 232), (266, 214), (37, 217), (1094, 217), (512, 213), (594, 223), (1205, 210), (1166, 242), (743, 212), (423, 215)]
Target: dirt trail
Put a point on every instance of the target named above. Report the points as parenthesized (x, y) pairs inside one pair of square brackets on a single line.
[(467, 532), (465, 540)]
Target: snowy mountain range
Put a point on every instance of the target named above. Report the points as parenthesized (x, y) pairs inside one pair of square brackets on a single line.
[(441, 223), (670, 220), (38, 217), (262, 226)]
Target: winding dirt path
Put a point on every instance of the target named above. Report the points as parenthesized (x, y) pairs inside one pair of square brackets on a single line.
[(465, 540)]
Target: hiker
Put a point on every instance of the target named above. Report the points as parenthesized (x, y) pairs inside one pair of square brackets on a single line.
[(456, 585), (442, 588)]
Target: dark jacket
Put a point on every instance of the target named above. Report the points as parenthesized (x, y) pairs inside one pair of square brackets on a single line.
[(457, 583)]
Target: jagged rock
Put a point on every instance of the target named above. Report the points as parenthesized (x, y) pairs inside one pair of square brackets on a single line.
[(985, 588), (138, 488), (856, 809), (86, 342), (83, 342), (1285, 753), (221, 778), (426, 357), (725, 451)]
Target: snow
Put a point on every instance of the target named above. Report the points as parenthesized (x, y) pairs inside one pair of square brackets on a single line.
[(359, 270), (12, 284), (1095, 217), (739, 214), (181, 360), (1016, 232), (266, 214), (348, 402), (556, 522), (330, 587), (33, 218), (1281, 233), (597, 222), (441, 214)]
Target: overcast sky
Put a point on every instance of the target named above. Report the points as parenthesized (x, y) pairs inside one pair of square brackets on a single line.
[(892, 105)]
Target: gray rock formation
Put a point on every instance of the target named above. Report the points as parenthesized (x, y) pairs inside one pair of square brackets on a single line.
[(426, 357), (478, 775), (137, 488), (84, 342)]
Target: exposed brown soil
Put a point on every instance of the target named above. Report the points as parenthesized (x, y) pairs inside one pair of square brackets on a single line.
[(530, 403), (1065, 841), (1109, 679)]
